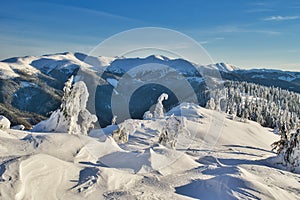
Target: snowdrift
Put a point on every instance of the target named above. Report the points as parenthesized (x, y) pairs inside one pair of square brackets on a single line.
[(215, 158)]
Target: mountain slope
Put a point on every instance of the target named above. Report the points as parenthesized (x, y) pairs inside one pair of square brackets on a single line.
[(32, 85)]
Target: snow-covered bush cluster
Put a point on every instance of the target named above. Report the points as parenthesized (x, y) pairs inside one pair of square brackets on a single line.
[(4, 123), (121, 135), (269, 106), (72, 117), (169, 135)]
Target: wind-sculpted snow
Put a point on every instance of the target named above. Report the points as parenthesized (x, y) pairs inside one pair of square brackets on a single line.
[(64, 166)]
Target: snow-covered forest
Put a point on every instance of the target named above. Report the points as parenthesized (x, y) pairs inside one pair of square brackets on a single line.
[(269, 106)]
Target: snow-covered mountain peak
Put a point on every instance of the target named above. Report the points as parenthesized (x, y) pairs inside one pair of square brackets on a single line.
[(158, 57), (224, 67)]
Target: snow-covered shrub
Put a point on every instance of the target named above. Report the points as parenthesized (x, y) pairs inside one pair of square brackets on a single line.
[(4, 123), (147, 115), (121, 135), (72, 117), (172, 127), (211, 104), (114, 120), (159, 108)]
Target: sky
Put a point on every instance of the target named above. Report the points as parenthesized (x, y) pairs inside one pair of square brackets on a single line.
[(244, 33)]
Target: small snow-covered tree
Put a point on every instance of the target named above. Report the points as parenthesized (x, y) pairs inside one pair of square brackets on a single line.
[(292, 152), (280, 145), (173, 126), (147, 115), (121, 135), (289, 153), (211, 104), (159, 108), (114, 120), (72, 117)]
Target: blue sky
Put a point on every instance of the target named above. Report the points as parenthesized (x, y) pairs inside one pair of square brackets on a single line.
[(246, 33)]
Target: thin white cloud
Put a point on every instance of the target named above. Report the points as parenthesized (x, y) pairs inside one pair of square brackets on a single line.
[(259, 10), (221, 30), (281, 18), (211, 40), (237, 29)]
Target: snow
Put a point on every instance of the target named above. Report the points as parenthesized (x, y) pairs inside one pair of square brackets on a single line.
[(68, 62), (27, 84), (112, 82), (72, 116), (105, 61), (288, 78), (188, 153), (6, 72), (224, 67), (159, 108), (258, 76), (231, 161), (150, 64), (4, 123)]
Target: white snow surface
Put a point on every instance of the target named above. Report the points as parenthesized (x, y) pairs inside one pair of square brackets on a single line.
[(223, 67), (216, 158), (33, 65), (4, 123)]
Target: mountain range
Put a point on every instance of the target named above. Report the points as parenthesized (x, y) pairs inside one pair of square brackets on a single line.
[(31, 87)]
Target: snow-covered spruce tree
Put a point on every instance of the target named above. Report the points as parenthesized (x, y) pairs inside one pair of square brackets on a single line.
[(79, 119), (265, 105), (211, 104), (172, 127), (280, 145), (72, 117), (289, 153), (159, 108)]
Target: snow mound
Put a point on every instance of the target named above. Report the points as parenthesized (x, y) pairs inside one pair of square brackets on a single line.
[(157, 158), (18, 127), (4, 123), (235, 166), (40, 169)]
